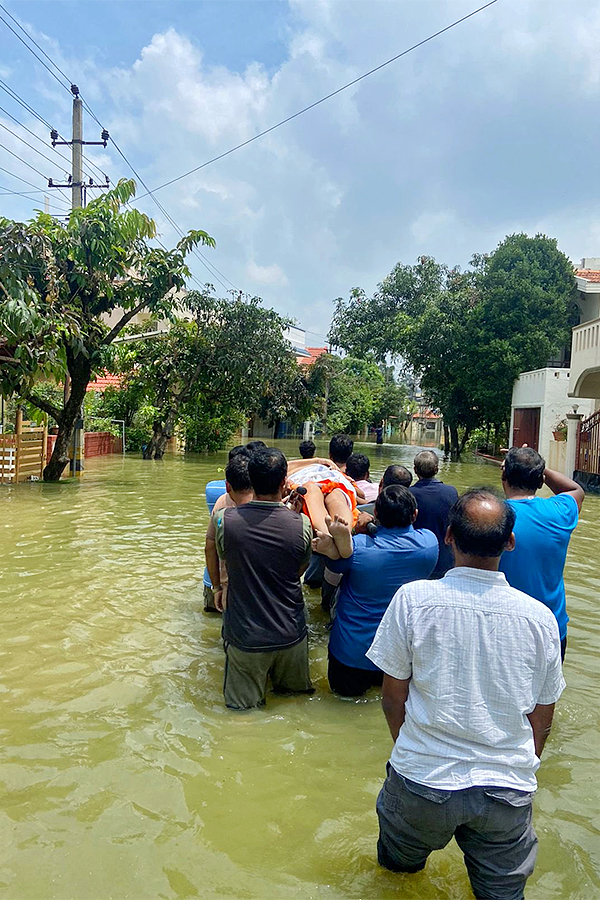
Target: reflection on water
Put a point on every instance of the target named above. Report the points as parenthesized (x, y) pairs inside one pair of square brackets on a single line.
[(123, 776)]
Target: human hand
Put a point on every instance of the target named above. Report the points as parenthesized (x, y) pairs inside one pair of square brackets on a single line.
[(295, 500), (363, 520), (219, 598)]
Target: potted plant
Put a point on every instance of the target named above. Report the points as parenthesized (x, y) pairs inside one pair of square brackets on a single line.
[(560, 430)]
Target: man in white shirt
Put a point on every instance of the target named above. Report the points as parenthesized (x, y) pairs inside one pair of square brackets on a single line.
[(472, 672)]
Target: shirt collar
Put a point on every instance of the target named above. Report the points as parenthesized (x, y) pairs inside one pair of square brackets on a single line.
[(264, 503), (497, 578)]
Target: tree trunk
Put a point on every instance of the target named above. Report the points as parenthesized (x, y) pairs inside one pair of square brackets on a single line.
[(80, 371), (465, 438), (454, 445), (446, 440), (162, 429)]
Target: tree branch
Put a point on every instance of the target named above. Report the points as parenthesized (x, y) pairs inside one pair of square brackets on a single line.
[(45, 406), (127, 317)]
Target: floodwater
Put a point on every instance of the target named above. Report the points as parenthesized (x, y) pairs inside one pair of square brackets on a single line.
[(123, 776)]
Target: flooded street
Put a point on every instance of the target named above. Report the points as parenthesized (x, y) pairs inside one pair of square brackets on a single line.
[(122, 775)]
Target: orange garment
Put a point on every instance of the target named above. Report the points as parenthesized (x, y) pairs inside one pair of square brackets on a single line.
[(327, 486)]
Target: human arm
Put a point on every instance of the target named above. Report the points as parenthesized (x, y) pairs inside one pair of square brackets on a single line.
[(307, 539), (540, 720), (212, 564), (393, 702), (560, 484)]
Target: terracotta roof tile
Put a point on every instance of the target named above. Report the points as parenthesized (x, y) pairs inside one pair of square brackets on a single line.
[(315, 352), (104, 381), (588, 274)]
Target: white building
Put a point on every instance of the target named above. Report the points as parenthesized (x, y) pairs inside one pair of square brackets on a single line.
[(546, 397)]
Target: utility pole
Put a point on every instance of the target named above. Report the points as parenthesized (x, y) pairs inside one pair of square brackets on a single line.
[(76, 181), (78, 187), (77, 152)]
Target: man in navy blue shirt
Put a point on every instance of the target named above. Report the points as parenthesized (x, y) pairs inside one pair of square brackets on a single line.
[(376, 568), (542, 530), (434, 499)]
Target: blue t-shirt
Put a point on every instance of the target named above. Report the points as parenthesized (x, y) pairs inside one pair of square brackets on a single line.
[(434, 499), (213, 490), (542, 533), (378, 566)]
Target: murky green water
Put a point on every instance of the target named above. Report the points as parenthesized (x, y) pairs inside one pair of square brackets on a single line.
[(123, 776)]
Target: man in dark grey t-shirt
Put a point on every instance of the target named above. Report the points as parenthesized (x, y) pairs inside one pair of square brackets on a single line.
[(266, 547)]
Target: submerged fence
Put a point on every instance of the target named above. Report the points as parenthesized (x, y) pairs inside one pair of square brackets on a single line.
[(22, 454)]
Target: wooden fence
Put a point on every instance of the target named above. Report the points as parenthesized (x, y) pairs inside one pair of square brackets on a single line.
[(22, 454), (588, 445)]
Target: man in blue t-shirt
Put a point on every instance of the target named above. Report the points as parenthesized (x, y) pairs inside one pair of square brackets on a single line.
[(542, 530), (376, 568), (434, 499)]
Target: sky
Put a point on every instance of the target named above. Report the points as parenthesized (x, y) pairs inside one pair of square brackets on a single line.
[(489, 129)]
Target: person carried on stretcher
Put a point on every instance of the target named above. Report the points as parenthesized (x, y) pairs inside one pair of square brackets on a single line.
[(327, 494)]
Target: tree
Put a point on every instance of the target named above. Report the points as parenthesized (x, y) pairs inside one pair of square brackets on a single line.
[(350, 394), (466, 335), (62, 281), (221, 362)]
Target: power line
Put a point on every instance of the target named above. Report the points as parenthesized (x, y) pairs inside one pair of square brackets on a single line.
[(14, 96), (323, 99), (4, 191), (31, 147), (18, 99), (216, 273), (33, 41), (18, 36), (24, 161), (170, 219), (38, 138)]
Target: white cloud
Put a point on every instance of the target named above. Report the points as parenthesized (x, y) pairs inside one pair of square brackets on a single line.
[(271, 275), (490, 128)]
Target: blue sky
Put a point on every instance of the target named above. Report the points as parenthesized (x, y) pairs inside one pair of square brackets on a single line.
[(492, 128)]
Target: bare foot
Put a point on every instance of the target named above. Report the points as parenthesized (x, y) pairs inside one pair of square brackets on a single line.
[(324, 544), (339, 529)]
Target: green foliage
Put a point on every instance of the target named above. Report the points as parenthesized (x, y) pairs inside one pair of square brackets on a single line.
[(350, 394), (59, 281), (227, 360), (466, 335)]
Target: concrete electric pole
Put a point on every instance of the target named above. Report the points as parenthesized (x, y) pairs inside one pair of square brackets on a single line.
[(78, 189)]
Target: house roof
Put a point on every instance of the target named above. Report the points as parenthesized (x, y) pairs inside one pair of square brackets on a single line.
[(313, 354), (102, 382), (426, 414), (588, 275)]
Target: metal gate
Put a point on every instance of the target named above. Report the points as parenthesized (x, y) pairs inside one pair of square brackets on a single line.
[(588, 445)]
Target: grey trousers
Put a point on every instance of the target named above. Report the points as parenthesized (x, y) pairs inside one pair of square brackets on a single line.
[(247, 673), (492, 826)]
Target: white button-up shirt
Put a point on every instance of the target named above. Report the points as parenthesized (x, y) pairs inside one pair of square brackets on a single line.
[(480, 656)]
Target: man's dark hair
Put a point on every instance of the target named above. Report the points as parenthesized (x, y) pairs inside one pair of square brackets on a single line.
[(252, 446), (307, 449), (267, 469), (240, 450), (524, 468), (358, 466), (340, 448), (481, 535), (236, 473), (396, 474), (426, 464), (395, 507)]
